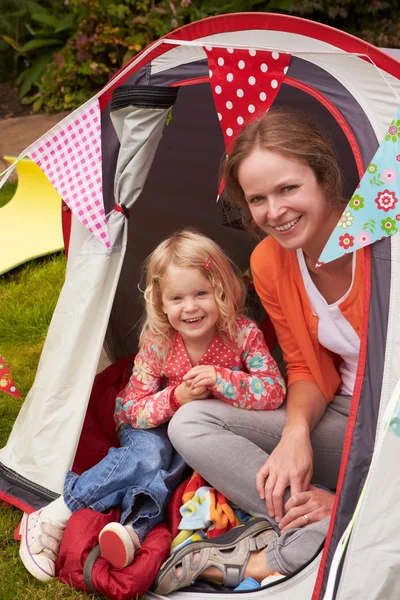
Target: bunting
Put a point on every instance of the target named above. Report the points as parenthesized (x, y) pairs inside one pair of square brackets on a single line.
[(244, 84), (373, 212), (7, 384), (70, 156)]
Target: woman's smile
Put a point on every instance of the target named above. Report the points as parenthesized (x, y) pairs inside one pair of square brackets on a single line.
[(286, 227), (286, 201)]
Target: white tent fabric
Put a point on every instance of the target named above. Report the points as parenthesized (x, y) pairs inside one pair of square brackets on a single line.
[(56, 404), (360, 77), (373, 553)]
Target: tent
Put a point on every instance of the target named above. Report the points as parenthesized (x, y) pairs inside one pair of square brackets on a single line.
[(162, 173)]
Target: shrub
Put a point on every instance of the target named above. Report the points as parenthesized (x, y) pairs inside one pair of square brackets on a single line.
[(108, 33), (73, 47)]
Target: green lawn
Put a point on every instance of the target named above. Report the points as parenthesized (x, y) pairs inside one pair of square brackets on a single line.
[(28, 296)]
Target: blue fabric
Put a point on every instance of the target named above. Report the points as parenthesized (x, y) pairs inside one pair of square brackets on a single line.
[(247, 584), (140, 476)]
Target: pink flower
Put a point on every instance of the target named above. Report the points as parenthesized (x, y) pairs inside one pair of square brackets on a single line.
[(346, 241), (398, 158), (386, 200), (389, 175), (363, 238), (398, 217)]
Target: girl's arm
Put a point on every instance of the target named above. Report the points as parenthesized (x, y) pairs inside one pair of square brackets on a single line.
[(260, 387), (142, 404)]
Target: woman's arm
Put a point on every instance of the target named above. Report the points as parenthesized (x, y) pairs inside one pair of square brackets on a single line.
[(291, 463)]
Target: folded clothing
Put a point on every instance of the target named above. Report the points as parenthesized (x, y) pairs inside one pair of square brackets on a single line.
[(206, 513)]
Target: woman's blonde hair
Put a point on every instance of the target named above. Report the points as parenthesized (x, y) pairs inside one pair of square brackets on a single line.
[(190, 249), (292, 134)]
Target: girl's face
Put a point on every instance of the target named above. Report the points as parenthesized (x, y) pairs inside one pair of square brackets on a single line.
[(286, 201), (188, 301)]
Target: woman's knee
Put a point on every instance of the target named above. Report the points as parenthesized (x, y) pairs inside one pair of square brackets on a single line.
[(179, 424), (186, 422)]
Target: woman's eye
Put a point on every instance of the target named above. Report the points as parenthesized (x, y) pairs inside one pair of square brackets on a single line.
[(256, 199), (289, 188)]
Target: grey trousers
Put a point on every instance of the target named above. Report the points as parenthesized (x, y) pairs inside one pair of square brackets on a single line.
[(228, 446)]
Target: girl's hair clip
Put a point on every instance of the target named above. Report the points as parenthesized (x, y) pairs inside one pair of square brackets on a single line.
[(208, 263)]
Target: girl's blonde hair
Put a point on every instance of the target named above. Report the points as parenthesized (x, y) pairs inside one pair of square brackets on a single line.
[(292, 134), (190, 249)]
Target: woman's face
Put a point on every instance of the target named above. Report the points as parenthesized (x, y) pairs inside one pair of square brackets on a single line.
[(286, 201)]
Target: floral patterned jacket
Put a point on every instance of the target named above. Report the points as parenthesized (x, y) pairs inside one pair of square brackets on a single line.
[(247, 377)]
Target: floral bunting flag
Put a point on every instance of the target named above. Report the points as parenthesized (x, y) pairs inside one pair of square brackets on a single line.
[(70, 156), (7, 384), (374, 209)]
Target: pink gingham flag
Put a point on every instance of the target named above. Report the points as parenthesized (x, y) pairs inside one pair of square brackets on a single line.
[(70, 156)]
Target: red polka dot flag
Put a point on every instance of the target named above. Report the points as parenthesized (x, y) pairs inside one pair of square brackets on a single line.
[(244, 84), (7, 384)]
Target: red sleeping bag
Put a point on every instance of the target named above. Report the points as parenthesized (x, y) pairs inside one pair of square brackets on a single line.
[(94, 574)]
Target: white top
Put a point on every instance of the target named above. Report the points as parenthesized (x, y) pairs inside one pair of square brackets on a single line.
[(335, 332)]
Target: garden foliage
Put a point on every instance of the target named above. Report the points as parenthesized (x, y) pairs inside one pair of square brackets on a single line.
[(68, 49)]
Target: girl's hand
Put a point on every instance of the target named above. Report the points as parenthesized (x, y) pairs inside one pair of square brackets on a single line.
[(289, 465), (201, 376), (315, 504), (184, 393)]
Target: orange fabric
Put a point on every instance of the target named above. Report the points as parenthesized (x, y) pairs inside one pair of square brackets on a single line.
[(279, 284), (221, 514)]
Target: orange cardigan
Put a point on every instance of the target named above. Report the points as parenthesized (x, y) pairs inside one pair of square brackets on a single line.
[(279, 284)]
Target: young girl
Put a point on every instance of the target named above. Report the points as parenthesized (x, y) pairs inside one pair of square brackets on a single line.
[(195, 338)]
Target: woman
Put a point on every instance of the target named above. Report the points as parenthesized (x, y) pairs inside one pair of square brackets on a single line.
[(283, 173)]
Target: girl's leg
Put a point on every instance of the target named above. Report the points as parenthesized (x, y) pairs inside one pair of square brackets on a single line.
[(125, 473), (137, 472), (118, 543)]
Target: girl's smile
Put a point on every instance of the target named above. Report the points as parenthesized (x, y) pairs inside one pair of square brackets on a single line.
[(189, 302)]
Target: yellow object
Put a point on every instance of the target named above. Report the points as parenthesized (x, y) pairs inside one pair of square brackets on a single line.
[(30, 223)]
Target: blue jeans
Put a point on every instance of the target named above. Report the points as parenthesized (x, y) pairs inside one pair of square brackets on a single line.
[(140, 476)]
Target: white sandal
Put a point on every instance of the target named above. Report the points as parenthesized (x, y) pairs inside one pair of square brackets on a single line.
[(228, 552)]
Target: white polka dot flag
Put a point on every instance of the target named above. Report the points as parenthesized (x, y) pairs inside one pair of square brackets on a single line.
[(244, 84), (70, 156)]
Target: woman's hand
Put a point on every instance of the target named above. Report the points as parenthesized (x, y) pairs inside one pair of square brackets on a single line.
[(289, 465), (315, 505), (201, 376)]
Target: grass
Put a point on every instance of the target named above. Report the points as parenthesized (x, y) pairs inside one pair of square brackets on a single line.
[(28, 296), (7, 192)]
